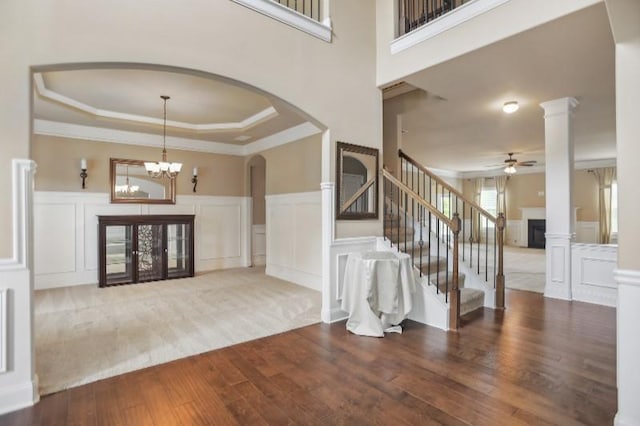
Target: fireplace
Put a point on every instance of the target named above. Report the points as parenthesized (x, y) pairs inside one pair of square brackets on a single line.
[(536, 230)]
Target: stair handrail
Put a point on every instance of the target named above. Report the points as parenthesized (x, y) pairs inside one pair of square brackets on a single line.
[(450, 188), (452, 296), (417, 198), (357, 195)]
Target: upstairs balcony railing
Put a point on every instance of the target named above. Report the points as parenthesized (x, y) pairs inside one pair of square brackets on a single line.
[(309, 8), (413, 14)]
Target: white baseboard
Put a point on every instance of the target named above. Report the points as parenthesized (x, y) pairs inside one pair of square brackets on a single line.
[(259, 260), (329, 316), (220, 263), (16, 397), (302, 278)]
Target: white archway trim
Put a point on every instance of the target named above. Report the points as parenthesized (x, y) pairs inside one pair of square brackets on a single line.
[(247, 123)]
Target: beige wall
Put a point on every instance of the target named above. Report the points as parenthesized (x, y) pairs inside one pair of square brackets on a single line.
[(58, 161), (334, 83), (294, 167), (523, 190), (585, 196), (506, 20)]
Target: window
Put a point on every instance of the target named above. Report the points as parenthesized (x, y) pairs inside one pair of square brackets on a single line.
[(488, 198), (614, 207)]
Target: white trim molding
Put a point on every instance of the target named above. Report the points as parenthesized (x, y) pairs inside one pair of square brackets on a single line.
[(4, 332), (21, 200), (449, 20), (286, 15), (627, 277), (99, 134)]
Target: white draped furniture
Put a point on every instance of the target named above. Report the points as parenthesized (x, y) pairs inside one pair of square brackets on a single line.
[(377, 291)]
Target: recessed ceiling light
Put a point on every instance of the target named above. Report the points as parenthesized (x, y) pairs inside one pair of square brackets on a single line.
[(510, 107)]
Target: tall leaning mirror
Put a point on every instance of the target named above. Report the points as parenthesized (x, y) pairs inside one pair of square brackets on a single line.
[(130, 183), (356, 182)]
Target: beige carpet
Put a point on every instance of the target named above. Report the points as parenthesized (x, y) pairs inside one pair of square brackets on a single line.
[(86, 333), (524, 269)]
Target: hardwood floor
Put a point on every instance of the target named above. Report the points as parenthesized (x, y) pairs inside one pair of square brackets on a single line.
[(541, 362)]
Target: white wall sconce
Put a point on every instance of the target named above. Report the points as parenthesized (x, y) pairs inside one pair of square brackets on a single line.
[(194, 179), (83, 170)]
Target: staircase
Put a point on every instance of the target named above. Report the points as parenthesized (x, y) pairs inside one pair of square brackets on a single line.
[(456, 258)]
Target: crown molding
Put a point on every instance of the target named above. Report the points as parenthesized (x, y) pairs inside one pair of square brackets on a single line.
[(286, 136), (247, 123), (99, 134), (286, 15)]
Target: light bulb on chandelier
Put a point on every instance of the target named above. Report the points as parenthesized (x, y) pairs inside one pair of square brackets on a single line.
[(161, 169)]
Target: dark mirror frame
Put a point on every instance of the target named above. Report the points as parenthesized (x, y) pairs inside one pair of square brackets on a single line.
[(114, 162), (341, 148)]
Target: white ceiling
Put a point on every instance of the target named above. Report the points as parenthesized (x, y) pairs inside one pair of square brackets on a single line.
[(133, 95), (467, 131)]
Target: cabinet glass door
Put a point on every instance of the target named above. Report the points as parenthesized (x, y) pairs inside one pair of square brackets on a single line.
[(119, 241), (178, 250), (150, 252)]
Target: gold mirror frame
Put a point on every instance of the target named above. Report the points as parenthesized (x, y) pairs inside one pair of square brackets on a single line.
[(351, 201), (157, 191)]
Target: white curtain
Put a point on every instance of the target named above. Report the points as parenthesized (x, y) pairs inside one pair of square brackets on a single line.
[(605, 177), (501, 197), (475, 215)]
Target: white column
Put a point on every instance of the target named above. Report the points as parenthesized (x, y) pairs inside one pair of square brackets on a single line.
[(559, 192), (624, 16), (328, 235)]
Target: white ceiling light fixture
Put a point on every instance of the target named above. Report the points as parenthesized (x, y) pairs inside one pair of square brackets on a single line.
[(510, 170), (510, 107), (163, 168)]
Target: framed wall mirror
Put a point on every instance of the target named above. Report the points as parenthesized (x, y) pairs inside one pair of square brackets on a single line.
[(130, 183), (356, 182)]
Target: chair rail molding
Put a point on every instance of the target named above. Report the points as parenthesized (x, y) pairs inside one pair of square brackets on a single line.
[(458, 16), (321, 30)]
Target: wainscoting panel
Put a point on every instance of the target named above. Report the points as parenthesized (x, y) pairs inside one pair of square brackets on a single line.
[(592, 273), (55, 223), (221, 225), (294, 238), (259, 245), (513, 234), (340, 250), (66, 233)]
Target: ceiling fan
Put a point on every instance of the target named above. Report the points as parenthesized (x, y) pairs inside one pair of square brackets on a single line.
[(511, 163)]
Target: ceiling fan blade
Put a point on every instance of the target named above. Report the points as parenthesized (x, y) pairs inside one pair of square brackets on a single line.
[(526, 163)]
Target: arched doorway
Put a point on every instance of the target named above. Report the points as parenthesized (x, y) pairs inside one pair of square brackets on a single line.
[(257, 168)]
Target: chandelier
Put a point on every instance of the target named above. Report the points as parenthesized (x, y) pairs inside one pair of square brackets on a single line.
[(161, 169), (127, 189)]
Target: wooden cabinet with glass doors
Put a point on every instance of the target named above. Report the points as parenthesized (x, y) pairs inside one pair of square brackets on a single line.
[(141, 248)]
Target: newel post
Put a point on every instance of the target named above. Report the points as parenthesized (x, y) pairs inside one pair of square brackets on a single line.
[(454, 296), (500, 224)]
